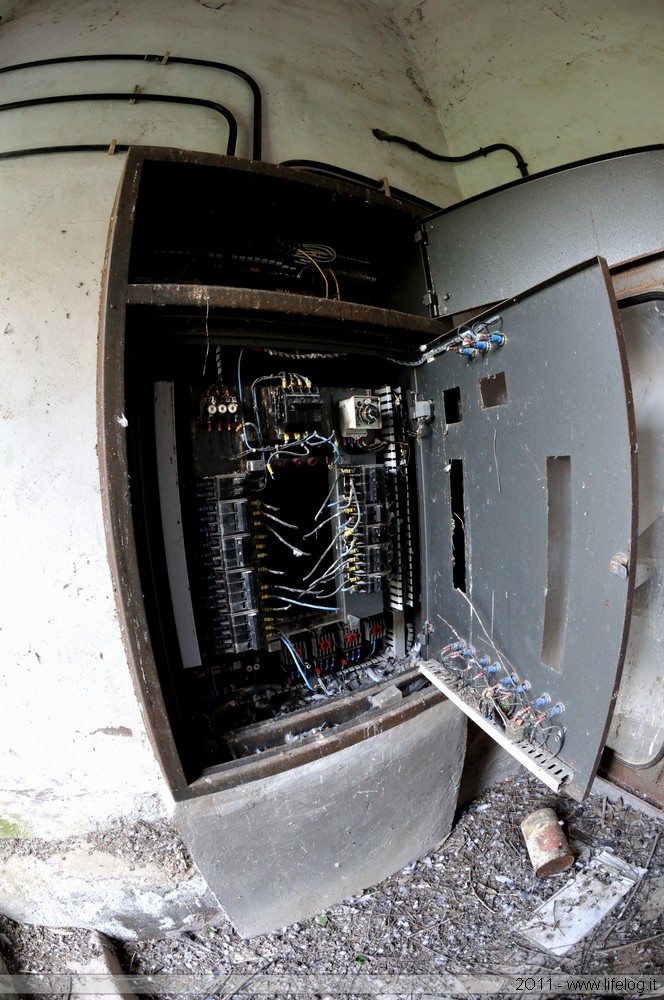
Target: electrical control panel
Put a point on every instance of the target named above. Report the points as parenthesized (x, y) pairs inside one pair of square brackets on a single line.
[(296, 529), (331, 491)]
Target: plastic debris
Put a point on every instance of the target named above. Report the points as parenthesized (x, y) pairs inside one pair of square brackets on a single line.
[(576, 909)]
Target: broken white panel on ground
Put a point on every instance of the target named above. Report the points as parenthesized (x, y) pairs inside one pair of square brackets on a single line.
[(576, 909)]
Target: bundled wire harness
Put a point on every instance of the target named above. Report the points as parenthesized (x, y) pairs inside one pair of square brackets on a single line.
[(502, 696)]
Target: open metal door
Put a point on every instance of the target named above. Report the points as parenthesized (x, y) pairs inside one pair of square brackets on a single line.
[(528, 514)]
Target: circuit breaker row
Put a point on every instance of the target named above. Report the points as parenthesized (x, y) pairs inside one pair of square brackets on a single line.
[(228, 555)]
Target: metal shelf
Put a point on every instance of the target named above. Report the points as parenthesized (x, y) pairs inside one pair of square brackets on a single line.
[(258, 302)]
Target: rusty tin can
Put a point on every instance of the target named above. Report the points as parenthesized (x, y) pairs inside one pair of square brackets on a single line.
[(547, 844)]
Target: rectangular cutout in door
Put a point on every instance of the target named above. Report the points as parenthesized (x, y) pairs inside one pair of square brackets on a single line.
[(452, 405), (493, 390), (559, 557), (458, 525)]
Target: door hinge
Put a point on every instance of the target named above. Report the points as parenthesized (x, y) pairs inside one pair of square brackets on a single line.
[(431, 300)]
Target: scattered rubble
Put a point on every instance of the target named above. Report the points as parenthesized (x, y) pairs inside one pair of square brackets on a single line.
[(157, 843), (453, 911)]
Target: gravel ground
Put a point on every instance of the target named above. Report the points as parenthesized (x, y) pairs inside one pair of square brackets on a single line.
[(452, 911), (146, 842)]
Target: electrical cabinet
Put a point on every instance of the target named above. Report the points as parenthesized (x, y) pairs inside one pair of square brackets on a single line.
[(343, 473)]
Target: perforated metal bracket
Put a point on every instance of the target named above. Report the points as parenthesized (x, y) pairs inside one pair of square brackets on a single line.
[(544, 765)]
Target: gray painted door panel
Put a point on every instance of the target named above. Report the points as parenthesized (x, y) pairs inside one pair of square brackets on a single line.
[(506, 241), (549, 480)]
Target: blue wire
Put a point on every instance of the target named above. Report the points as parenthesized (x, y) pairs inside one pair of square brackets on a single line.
[(257, 416), (296, 660), (239, 395), (315, 436), (302, 604)]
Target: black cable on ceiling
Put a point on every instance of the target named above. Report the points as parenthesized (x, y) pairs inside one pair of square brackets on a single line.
[(93, 147), (329, 170), (482, 151), (135, 98), (164, 60)]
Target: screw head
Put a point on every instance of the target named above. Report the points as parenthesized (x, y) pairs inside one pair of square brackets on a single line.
[(619, 565)]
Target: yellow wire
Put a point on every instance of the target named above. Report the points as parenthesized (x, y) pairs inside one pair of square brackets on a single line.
[(336, 283), (315, 263)]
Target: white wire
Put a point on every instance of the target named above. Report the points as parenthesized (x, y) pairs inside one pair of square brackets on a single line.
[(322, 506), (294, 549), (319, 251), (278, 520), (331, 571), (322, 524), (331, 545), (289, 601)]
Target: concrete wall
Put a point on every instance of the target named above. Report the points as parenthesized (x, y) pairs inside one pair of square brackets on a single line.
[(561, 80), (74, 753)]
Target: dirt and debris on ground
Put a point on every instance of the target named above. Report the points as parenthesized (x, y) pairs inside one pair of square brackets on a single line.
[(452, 911), (156, 843)]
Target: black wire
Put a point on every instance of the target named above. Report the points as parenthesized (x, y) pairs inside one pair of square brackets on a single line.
[(329, 170), (93, 147), (155, 98), (154, 58), (482, 151)]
